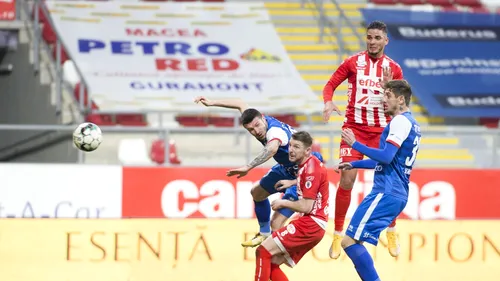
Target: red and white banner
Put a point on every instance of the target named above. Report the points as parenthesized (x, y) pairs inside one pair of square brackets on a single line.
[(208, 193), (89, 191), (7, 9)]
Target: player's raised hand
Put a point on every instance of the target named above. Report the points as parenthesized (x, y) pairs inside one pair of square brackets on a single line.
[(348, 136), (284, 184), (240, 172), (328, 109), (203, 100), (342, 167), (386, 75)]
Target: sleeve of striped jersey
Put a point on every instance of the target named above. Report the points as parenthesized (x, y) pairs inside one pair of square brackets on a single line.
[(398, 73), (275, 133), (399, 129), (339, 76)]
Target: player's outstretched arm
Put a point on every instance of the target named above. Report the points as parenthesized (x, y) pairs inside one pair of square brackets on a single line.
[(267, 153), (269, 150), (364, 164), (383, 156), (232, 103)]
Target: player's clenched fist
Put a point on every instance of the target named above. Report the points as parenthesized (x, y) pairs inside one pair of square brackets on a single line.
[(342, 166), (328, 109), (277, 204), (348, 136), (204, 101)]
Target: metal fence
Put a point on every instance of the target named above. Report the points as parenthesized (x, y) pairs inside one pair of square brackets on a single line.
[(484, 144)]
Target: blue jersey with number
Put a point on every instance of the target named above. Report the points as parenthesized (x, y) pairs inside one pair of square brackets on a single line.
[(394, 178)]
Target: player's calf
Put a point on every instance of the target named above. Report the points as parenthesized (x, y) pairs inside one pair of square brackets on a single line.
[(361, 259)]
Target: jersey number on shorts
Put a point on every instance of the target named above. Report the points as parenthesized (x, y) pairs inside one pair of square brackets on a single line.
[(409, 160)]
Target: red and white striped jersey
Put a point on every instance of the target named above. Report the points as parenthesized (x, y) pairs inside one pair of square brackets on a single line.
[(365, 95)]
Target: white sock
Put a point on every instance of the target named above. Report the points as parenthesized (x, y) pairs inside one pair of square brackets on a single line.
[(338, 233), (391, 229)]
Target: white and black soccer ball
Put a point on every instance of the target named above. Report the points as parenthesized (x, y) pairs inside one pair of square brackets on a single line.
[(87, 137)]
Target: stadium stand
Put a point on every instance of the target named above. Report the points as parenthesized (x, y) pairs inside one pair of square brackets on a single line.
[(316, 53)]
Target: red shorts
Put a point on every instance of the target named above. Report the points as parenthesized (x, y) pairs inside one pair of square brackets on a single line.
[(297, 238), (366, 137)]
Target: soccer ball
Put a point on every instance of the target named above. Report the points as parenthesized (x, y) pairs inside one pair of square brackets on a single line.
[(87, 137)]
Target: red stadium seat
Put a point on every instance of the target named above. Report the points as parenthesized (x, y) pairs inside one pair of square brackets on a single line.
[(64, 55), (41, 16), (131, 120), (48, 34), (288, 119), (469, 3), (85, 96), (158, 152), (221, 121), (450, 8), (192, 121), (439, 2), (489, 122), (383, 2), (100, 119), (411, 2), (480, 10)]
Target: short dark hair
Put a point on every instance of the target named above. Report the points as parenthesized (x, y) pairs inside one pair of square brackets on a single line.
[(248, 115), (304, 137), (378, 25), (400, 88)]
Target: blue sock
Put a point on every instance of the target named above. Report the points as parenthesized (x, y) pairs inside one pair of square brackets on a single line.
[(363, 262), (263, 213)]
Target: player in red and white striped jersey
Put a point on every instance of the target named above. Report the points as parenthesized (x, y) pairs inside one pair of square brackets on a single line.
[(366, 73)]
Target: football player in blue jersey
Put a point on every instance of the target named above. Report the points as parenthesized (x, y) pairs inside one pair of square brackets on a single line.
[(275, 137), (393, 162)]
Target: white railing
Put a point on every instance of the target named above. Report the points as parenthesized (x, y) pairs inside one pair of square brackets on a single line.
[(490, 149)]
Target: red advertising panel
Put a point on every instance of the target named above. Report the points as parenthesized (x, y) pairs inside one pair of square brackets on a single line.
[(208, 193), (7, 9)]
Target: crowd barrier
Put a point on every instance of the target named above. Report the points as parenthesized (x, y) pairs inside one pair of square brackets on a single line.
[(95, 191)]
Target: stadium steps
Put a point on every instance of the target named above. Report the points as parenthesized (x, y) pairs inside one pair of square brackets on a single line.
[(298, 29), (315, 60)]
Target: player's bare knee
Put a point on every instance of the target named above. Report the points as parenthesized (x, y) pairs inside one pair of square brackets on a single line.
[(278, 259), (347, 179), (277, 224), (278, 221), (259, 193), (347, 241)]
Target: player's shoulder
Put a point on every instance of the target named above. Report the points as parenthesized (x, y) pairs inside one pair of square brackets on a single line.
[(401, 120), (356, 56), (392, 62), (314, 166)]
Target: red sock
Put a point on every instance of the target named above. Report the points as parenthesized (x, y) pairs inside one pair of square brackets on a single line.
[(263, 264), (393, 223), (277, 274), (342, 202)]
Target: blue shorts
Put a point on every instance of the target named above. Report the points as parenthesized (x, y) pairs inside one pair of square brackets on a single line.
[(374, 214), (275, 174)]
